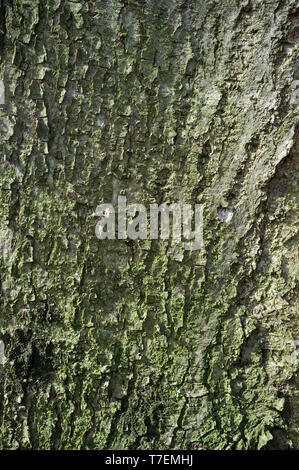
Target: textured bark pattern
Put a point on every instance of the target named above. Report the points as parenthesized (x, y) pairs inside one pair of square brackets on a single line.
[(140, 344)]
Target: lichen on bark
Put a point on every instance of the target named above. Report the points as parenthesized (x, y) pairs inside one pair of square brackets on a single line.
[(142, 345)]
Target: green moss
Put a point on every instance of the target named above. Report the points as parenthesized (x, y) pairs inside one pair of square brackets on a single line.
[(129, 345)]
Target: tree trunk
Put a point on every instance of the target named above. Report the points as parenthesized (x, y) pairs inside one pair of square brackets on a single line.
[(140, 344)]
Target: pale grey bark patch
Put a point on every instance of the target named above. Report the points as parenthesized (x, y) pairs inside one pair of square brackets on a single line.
[(225, 215)]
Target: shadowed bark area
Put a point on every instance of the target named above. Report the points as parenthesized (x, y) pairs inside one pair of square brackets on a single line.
[(122, 344)]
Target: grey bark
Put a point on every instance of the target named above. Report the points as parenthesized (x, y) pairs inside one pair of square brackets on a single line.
[(140, 344)]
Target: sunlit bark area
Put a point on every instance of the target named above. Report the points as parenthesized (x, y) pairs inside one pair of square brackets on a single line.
[(141, 344)]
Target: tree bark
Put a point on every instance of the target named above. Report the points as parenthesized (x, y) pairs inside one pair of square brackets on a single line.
[(122, 344)]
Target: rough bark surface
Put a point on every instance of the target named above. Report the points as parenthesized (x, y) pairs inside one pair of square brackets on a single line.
[(140, 344)]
